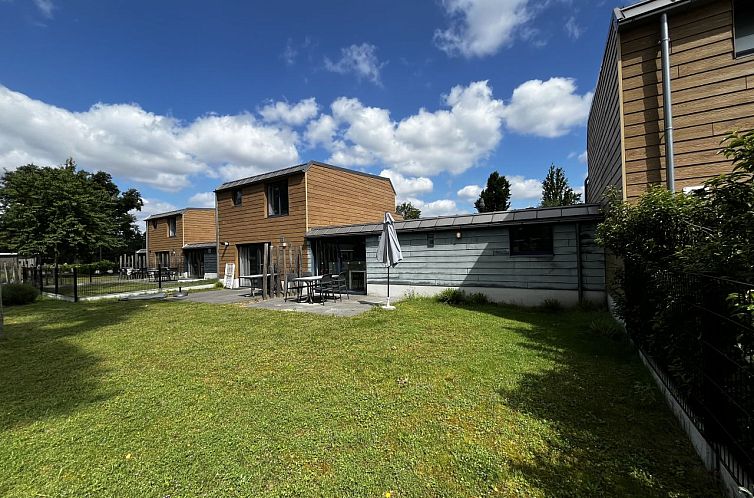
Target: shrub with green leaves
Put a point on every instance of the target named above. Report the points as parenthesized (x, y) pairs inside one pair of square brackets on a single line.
[(451, 296), (551, 306), (17, 294)]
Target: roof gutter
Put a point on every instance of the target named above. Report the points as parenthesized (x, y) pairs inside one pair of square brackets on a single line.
[(667, 102)]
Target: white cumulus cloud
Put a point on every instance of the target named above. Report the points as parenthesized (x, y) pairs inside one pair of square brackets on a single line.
[(422, 144), (470, 192), (202, 199), (295, 115), (481, 27), (128, 141), (547, 108), (150, 207), (525, 188), (440, 207), (360, 60), (408, 186), (46, 7)]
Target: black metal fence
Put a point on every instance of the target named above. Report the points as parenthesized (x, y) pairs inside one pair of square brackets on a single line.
[(77, 283), (697, 332)]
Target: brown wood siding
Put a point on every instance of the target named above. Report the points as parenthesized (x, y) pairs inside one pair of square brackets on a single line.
[(339, 197), (158, 241), (249, 223), (198, 226), (604, 149), (713, 94)]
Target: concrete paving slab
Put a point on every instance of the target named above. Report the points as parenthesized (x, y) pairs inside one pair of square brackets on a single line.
[(347, 307), (220, 296)]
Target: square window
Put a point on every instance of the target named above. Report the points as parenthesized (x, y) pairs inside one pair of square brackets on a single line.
[(171, 227), (531, 240), (277, 199), (743, 23), (430, 240), (237, 197)]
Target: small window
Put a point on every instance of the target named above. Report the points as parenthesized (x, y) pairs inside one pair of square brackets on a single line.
[(171, 227), (430, 240), (277, 199), (743, 22), (531, 240), (154, 224), (237, 197)]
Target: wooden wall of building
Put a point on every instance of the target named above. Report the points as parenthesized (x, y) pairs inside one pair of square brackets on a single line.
[(158, 240), (338, 197), (713, 94), (249, 223), (481, 258), (604, 146), (199, 226)]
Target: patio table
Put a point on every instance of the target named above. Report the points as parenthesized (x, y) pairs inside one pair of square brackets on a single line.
[(309, 282)]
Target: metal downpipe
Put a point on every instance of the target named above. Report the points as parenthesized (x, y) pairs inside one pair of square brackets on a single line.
[(667, 103)]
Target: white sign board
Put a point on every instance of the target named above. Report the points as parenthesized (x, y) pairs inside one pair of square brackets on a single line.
[(230, 270)]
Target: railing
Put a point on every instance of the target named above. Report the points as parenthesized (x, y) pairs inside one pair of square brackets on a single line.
[(86, 283), (701, 346)]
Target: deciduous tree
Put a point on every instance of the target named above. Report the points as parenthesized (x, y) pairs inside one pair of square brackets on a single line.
[(556, 191), (496, 196), (408, 211)]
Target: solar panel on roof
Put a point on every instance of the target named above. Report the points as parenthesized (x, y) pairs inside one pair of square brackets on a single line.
[(462, 220), (444, 222), (481, 218), (549, 213), (500, 217), (428, 223)]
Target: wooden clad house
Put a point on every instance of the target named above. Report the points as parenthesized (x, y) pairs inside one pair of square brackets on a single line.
[(278, 209), (711, 76), (183, 240)]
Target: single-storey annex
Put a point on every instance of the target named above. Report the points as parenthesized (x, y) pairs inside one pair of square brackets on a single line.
[(520, 256)]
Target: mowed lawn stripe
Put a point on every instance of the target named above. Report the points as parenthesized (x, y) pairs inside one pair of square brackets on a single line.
[(186, 399)]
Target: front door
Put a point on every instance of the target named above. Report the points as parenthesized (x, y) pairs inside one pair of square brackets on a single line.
[(195, 263)]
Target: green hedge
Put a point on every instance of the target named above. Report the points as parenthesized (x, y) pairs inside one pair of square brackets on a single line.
[(16, 294)]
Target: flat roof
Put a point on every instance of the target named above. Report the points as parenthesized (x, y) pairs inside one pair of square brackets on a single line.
[(175, 213), (299, 168), (563, 214)]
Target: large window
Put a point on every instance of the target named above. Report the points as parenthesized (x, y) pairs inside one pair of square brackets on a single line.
[(277, 199), (171, 227), (531, 240), (743, 19)]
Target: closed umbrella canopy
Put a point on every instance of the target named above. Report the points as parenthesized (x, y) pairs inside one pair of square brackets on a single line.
[(389, 249)]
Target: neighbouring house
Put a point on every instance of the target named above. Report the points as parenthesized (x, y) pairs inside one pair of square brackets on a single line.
[(710, 73), (183, 240), (520, 256), (277, 209)]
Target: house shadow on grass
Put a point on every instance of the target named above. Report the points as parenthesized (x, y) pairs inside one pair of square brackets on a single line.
[(44, 374), (610, 432)]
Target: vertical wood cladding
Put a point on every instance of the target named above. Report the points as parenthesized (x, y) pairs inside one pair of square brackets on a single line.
[(604, 149), (713, 94), (338, 197)]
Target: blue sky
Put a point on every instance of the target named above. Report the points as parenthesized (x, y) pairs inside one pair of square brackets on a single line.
[(175, 97)]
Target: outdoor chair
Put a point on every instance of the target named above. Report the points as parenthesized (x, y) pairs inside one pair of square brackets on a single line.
[(292, 285), (339, 285), (324, 288)]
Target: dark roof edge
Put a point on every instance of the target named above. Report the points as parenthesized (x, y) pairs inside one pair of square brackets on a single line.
[(296, 168), (175, 213), (648, 8), (594, 213)]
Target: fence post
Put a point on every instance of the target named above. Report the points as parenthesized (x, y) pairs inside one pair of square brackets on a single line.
[(159, 277), (41, 281), (56, 276), (75, 285)]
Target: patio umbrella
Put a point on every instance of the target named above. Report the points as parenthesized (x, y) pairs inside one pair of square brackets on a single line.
[(389, 251)]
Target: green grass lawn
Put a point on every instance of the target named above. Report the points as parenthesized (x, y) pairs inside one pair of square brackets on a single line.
[(183, 399)]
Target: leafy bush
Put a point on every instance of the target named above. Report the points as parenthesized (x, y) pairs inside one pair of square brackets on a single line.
[(606, 326), (452, 296), (459, 297), (17, 294), (551, 306), (477, 299)]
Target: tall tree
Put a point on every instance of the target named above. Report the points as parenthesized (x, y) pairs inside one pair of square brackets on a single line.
[(64, 214), (497, 195), (408, 211), (556, 191)]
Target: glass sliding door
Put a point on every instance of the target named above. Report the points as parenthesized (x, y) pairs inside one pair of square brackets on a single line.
[(250, 259)]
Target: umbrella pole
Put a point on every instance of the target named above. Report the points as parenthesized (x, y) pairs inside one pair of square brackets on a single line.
[(388, 286)]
